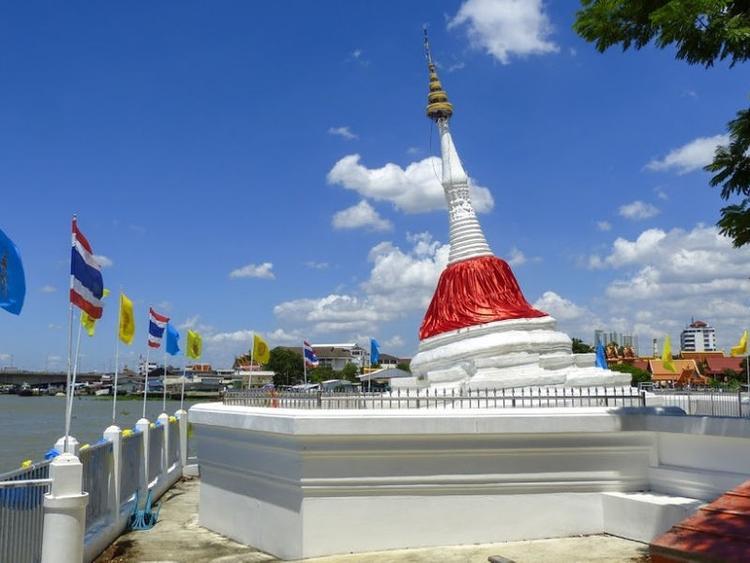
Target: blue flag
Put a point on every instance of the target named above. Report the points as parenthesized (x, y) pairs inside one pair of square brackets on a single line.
[(12, 280), (173, 337), (601, 359), (374, 351)]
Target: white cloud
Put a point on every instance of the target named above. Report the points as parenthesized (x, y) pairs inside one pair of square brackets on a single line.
[(516, 257), (604, 226), (343, 132), (48, 289), (5, 357), (638, 210), (103, 261), (413, 151), (238, 336), (281, 336), (414, 189), (263, 271), (313, 265), (394, 341), (559, 307), (506, 28), (400, 282), (666, 277), (362, 215), (661, 193), (689, 157)]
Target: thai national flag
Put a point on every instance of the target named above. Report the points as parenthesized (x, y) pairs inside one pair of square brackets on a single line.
[(156, 325), (86, 284), (309, 354)]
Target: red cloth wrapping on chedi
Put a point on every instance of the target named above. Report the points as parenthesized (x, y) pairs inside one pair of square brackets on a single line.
[(473, 292)]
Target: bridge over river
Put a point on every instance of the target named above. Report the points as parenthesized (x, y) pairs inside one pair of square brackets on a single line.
[(35, 378)]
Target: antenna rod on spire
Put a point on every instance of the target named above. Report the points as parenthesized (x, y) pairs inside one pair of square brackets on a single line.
[(427, 52)]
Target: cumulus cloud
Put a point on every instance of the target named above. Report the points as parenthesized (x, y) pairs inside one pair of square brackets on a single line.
[(663, 278), (344, 132), (506, 28), (103, 261), (360, 216), (604, 226), (414, 189), (689, 157), (400, 282), (638, 210), (263, 271)]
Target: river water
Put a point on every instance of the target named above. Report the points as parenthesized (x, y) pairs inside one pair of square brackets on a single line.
[(30, 426)]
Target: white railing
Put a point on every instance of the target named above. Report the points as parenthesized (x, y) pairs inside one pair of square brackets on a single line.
[(704, 402), (22, 513), (112, 471), (526, 397)]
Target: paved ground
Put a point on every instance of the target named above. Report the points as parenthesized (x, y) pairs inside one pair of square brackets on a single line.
[(178, 538)]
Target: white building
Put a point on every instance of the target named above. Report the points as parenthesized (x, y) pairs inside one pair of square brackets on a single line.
[(698, 336)]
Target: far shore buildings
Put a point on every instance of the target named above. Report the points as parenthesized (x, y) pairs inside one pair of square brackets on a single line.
[(698, 336)]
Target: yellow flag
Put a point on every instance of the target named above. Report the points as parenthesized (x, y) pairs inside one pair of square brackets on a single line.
[(194, 345), (88, 322), (127, 320), (666, 355), (261, 353), (741, 348)]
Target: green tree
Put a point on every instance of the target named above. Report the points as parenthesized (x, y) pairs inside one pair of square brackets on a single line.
[(350, 372), (703, 32), (320, 374), (286, 365), (404, 366), (580, 347), (637, 375)]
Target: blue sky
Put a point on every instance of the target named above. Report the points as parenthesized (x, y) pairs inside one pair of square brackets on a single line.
[(210, 153)]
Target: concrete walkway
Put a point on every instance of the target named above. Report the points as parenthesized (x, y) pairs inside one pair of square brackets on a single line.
[(178, 538)]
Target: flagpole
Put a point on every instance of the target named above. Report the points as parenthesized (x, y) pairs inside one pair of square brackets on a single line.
[(164, 381), (145, 380), (117, 367), (75, 363), (70, 359), (304, 361), (252, 352), (182, 392)]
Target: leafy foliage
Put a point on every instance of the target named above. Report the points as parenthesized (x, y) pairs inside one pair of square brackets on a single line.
[(580, 347), (350, 372), (637, 375), (287, 366), (704, 32)]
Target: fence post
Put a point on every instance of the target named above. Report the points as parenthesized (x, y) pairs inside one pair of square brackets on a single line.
[(73, 445), (182, 421), (64, 511), (163, 420), (144, 427), (114, 435)]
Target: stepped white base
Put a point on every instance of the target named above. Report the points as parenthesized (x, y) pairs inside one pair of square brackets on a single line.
[(505, 354)]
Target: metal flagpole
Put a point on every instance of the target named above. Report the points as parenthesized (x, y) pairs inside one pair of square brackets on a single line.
[(252, 352), (75, 364), (117, 367), (304, 361), (164, 380), (182, 392), (70, 360), (145, 380)]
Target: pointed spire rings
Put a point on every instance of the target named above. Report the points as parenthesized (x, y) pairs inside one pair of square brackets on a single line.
[(438, 106)]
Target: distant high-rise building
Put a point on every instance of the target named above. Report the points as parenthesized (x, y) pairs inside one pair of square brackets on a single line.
[(604, 338), (698, 336)]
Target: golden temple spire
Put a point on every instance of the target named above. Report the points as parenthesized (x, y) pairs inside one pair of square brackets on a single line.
[(438, 106)]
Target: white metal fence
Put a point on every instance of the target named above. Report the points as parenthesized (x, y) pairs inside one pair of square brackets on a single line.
[(22, 512), (705, 402), (115, 459), (441, 398)]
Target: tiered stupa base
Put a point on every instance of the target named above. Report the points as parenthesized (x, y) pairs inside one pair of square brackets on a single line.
[(514, 353), (480, 332)]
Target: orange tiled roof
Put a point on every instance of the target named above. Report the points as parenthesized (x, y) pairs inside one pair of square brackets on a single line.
[(658, 371)]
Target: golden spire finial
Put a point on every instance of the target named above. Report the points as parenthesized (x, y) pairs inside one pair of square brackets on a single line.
[(438, 106)]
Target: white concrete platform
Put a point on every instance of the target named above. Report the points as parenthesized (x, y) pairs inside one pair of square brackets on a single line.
[(282, 480)]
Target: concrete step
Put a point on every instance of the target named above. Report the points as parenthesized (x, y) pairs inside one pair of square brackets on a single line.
[(719, 531), (644, 516)]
